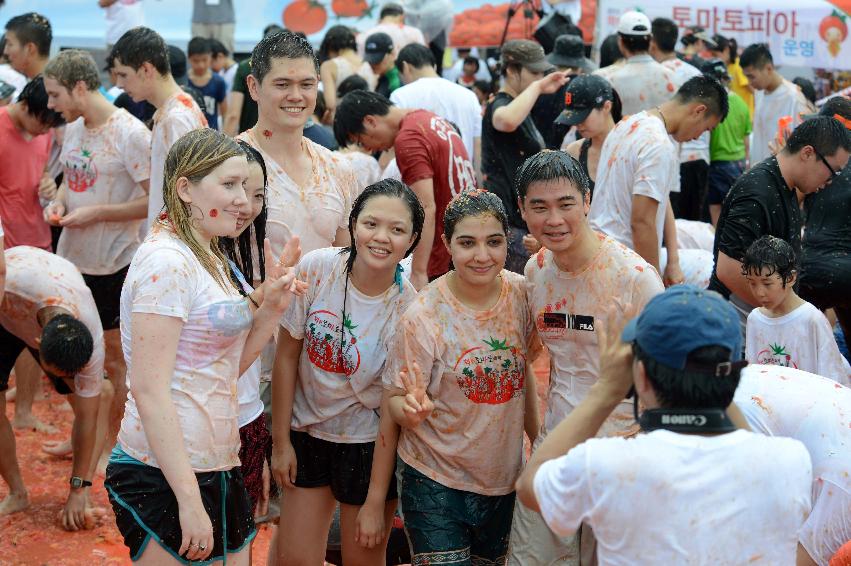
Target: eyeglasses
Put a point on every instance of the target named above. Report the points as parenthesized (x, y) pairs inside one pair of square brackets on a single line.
[(833, 172)]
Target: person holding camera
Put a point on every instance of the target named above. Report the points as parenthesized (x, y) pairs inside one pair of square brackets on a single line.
[(692, 488)]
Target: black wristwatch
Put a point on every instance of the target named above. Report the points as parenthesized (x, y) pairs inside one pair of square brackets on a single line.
[(77, 482)]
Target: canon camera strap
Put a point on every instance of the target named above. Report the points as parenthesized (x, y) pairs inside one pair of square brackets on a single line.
[(708, 421)]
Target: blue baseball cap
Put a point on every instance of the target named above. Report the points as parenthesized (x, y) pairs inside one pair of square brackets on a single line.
[(681, 320)]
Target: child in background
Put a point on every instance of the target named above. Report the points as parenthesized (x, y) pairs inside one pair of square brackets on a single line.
[(222, 63), (786, 330), (211, 84)]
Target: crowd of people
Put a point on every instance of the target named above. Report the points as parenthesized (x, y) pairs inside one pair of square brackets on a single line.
[(308, 288)]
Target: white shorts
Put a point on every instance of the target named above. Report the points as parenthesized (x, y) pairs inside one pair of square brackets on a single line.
[(532, 542), (829, 525)]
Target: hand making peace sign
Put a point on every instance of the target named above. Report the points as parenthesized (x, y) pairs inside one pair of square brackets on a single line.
[(417, 404)]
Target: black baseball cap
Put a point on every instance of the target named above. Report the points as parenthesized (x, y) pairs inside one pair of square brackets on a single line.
[(376, 48), (584, 94), (715, 68)]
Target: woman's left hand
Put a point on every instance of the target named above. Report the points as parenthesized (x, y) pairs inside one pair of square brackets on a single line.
[(280, 284)]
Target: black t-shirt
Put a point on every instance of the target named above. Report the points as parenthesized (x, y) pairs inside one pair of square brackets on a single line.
[(546, 109), (504, 152), (760, 203)]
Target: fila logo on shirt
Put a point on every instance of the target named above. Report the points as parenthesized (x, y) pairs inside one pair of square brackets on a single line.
[(555, 324)]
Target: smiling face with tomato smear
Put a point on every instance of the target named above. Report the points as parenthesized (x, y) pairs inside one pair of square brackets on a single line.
[(286, 97)]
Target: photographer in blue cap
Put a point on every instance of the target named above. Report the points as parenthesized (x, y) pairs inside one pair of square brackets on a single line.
[(691, 487)]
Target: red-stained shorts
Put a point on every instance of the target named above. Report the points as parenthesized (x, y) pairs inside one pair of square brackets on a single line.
[(256, 446)]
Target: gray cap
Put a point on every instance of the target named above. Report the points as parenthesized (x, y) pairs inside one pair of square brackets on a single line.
[(525, 53)]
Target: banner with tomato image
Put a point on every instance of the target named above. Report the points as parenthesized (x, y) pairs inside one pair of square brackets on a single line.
[(809, 33)]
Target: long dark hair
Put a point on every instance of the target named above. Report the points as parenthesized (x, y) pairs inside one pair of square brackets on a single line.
[(239, 250)]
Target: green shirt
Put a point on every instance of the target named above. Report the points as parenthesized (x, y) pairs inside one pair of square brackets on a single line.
[(728, 138)]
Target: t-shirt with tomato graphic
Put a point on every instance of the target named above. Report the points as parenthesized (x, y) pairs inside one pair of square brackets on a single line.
[(801, 339), (567, 307), (339, 372), (474, 363)]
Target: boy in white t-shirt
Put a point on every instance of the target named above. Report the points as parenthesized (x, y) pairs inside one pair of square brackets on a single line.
[(692, 489), (780, 401), (141, 66), (786, 330)]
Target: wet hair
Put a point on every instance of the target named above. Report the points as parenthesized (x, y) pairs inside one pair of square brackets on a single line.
[(477, 202), (32, 28), (350, 83), (549, 165), (239, 249), (199, 46), (218, 48), (336, 39), (281, 45), (72, 66), (636, 43), (756, 55), (35, 97), (66, 344), (472, 61), (774, 254), (272, 29), (391, 9), (684, 389), (141, 45), (194, 156), (807, 88), (416, 56), (351, 111), (385, 188), (610, 51), (705, 90), (823, 133), (728, 44), (838, 105), (665, 33)]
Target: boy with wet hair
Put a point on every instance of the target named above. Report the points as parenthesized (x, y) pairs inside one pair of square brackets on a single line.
[(141, 66), (785, 329)]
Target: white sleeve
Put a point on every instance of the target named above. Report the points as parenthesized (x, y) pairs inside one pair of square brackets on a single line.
[(136, 151), (167, 295), (751, 346), (562, 490), (88, 381), (831, 363), (312, 269), (653, 176)]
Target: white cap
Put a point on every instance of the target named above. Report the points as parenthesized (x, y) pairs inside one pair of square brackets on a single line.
[(634, 23)]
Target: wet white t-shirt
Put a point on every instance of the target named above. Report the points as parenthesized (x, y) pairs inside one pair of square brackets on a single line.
[(815, 410), (366, 168), (248, 386), (104, 165), (179, 115), (566, 307), (667, 498), (801, 339), (637, 158), (166, 279), (36, 279), (786, 100), (448, 100), (313, 212), (342, 358), (642, 83)]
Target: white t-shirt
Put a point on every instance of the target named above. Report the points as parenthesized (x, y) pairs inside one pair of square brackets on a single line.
[(104, 165), (313, 212), (339, 385), (695, 235), (166, 279), (36, 279), (566, 306), (699, 148), (179, 115), (122, 16), (815, 410), (801, 339), (448, 100), (786, 100), (667, 498), (366, 168), (637, 158), (642, 83), (248, 386)]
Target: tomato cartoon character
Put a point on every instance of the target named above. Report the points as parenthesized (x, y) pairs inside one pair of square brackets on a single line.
[(351, 8), (493, 375), (833, 30), (306, 16)]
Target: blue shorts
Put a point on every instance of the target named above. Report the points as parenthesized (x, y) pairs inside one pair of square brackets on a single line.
[(722, 175)]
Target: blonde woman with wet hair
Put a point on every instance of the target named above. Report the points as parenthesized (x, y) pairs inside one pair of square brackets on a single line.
[(187, 334)]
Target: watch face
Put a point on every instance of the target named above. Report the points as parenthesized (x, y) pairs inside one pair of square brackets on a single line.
[(76, 482)]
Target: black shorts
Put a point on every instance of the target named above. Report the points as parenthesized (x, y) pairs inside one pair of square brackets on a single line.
[(146, 508), (346, 468), (10, 348), (106, 290)]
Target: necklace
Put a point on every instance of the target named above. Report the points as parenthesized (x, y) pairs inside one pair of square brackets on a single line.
[(665, 122)]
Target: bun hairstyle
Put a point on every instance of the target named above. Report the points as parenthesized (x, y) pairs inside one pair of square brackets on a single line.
[(194, 156)]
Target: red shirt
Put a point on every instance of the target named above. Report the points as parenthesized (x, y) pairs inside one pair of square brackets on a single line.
[(429, 147), (22, 164)]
